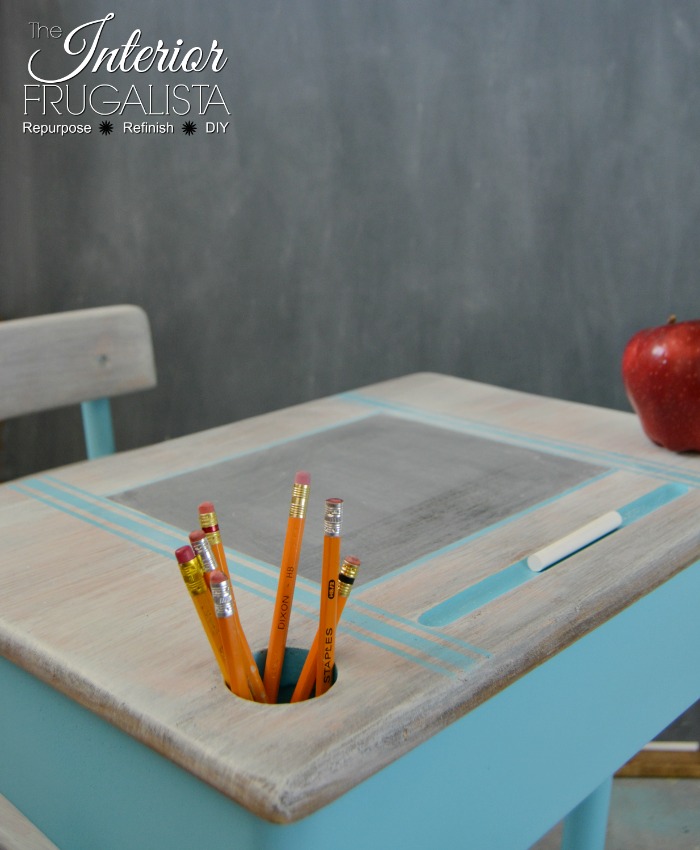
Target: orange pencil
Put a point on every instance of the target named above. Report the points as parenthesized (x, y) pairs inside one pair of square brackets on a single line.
[(223, 607), (210, 526), (328, 613), (307, 677), (191, 571), (285, 585), (201, 545)]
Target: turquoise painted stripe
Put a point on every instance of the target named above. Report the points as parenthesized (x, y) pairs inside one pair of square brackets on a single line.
[(164, 539), (47, 500), (262, 573), (134, 527), (360, 604), (411, 640), (429, 663), (651, 501), (85, 497), (494, 586), (617, 460), (478, 595)]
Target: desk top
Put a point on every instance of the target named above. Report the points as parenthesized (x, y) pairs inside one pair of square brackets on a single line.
[(448, 486)]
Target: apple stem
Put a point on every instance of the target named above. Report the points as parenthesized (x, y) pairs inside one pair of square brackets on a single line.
[(672, 319)]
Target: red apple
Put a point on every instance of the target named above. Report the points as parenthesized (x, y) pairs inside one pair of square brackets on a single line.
[(661, 373)]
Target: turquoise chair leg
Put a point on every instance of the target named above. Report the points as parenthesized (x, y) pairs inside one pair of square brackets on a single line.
[(97, 425), (585, 826)]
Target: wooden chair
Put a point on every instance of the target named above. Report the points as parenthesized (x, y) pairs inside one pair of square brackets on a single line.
[(79, 356)]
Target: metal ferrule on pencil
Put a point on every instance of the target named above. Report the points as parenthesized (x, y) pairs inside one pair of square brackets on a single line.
[(223, 601), (297, 506), (346, 577), (333, 518), (214, 536), (192, 574), (203, 549), (209, 521)]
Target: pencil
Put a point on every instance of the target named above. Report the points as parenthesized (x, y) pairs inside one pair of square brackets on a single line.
[(201, 545), (325, 656), (191, 571), (209, 523), (223, 608), (285, 585), (307, 677)]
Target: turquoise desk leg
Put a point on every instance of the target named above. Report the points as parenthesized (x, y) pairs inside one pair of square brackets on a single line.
[(585, 826), (97, 425)]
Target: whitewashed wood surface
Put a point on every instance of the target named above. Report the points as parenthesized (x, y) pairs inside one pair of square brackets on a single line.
[(109, 623), (17, 833), (64, 358)]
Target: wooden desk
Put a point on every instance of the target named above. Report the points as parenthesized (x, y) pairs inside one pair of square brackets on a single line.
[(476, 702)]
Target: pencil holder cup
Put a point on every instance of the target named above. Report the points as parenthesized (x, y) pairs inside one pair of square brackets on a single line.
[(294, 659)]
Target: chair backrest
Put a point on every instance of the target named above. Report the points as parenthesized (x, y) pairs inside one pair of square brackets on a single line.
[(79, 356)]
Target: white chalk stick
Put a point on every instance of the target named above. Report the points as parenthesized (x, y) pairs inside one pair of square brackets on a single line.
[(588, 533), (672, 747)]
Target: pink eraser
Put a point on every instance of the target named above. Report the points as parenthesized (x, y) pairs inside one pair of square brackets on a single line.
[(302, 477), (197, 535), (351, 559), (206, 508), (216, 577), (184, 554)]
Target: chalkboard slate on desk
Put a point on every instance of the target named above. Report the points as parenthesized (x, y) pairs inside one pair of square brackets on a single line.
[(395, 476)]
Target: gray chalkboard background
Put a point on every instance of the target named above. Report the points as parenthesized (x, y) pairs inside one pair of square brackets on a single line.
[(499, 190), (495, 189)]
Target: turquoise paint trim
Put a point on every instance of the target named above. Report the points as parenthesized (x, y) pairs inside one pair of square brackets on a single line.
[(97, 427), (478, 595), (46, 500), (412, 640), (448, 670), (149, 522), (414, 624), (134, 516), (133, 527), (616, 460), (494, 586), (651, 502)]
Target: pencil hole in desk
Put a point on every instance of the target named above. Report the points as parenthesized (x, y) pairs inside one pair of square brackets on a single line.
[(294, 658)]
